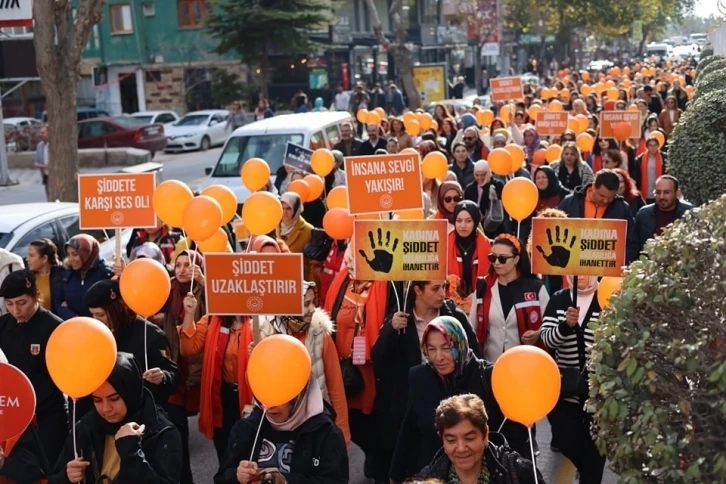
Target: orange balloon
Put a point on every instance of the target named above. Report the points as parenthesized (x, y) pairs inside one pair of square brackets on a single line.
[(300, 187), (381, 113), (505, 113), (626, 71), (517, 156), (414, 214), (585, 90), (317, 187), (612, 94), (434, 165), (338, 223), (201, 218), (434, 125), (615, 71), (599, 88), (337, 198), (169, 199), (609, 83), (621, 131), (413, 151), (556, 106), (533, 110), (585, 142), (500, 161), (261, 213), (278, 369), (322, 162), (520, 198), (226, 199), (553, 153), (484, 117), (659, 136), (633, 107), (408, 117), (539, 157), (412, 127), (585, 75), (546, 93), (145, 286), (255, 174), (426, 121), (216, 243), (582, 123), (362, 115), (607, 287), (372, 117), (565, 94), (80, 355), (526, 383), (573, 124)]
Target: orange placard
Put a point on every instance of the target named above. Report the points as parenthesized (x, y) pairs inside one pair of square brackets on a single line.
[(578, 246), (383, 183), (17, 399), (551, 123), (116, 201), (506, 89), (608, 120), (254, 284), (400, 250)]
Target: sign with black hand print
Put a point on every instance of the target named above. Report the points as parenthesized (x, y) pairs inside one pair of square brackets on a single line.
[(400, 250), (578, 246)]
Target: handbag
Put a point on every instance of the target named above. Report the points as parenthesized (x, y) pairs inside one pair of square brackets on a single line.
[(574, 380), (352, 377), (318, 246), (495, 215)]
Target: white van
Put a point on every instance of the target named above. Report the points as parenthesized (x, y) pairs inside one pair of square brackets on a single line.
[(267, 139)]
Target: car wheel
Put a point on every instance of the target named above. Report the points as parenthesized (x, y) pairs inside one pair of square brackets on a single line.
[(205, 144)]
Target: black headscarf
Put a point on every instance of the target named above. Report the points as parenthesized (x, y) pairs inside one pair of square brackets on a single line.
[(126, 379), (554, 187), (467, 244)]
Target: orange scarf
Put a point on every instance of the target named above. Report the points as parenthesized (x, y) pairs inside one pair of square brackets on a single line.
[(642, 148), (644, 180), (596, 163), (206, 409), (482, 248)]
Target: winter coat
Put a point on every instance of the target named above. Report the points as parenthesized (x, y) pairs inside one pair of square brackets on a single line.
[(645, 222), (71, 287)]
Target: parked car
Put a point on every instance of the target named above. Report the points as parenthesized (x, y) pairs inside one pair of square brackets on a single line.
[(22, 122), (198, 130), (22, 223), (121, 132), (83, 112), (167, 118)]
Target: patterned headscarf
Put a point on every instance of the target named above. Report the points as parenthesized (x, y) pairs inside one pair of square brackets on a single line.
[(88, 250), (455, 335)]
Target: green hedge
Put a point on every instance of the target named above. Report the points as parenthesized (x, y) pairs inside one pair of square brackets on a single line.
[(705, 61), (698, 146), (707, 51), (718, 64), (658, 387), (713, 81)]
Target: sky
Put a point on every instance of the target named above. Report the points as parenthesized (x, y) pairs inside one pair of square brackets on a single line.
[(706, 8)]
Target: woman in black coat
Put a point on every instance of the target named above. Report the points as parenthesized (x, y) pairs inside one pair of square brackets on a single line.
[(452, 369), (297, 442), (124, 438)]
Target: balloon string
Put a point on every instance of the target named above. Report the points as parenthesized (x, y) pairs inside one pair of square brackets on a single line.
[(531, 449), (501, 426), (194, 261), (249, 244), (519, 226), (259, 427), (398, 299), (73, 427), (146, 354), (186, 239)]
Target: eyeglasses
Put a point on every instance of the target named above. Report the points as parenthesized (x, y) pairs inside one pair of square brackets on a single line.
[(468, 139), (456, 199), (502, 259)]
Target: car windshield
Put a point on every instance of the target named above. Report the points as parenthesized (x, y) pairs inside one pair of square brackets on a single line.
[(127, 121), (269, 147), (193, 120), (4, 239), (144, 119)]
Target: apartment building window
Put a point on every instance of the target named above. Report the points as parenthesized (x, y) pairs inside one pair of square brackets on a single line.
[(121, 22), (191, 12)]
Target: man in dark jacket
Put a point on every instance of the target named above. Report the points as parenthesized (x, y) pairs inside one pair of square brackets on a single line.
[(348, 145), (374, 141), (653, 218), (601, 200)]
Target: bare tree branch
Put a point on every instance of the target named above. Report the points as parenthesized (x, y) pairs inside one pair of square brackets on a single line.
[(376, 23), (87, 16)]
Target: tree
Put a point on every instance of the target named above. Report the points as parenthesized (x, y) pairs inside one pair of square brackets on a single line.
[(480, 17), (59, 42), (226, 87), (658, 381), (257, 29), (402, 55)]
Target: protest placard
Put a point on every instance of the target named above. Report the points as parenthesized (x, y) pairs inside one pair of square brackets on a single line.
[(506, 89), (116, 201), (609, 119), (551, 123), (298, 157)]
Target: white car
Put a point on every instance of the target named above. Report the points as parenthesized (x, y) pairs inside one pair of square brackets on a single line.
[(22, 223), (22, 122), (198, 130), (167, 118)]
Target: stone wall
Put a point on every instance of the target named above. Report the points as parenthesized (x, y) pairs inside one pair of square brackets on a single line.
[(164, 84)]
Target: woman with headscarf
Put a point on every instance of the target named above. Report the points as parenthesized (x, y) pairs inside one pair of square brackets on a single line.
[(83, 268), (315, 330), (568, 329), (551, 192), (468, 249), (318, 106), (451, 368), (450, 193), (531, 143), (358, 309), (184, 402), (294, 442), (294, 230), (124, 438), (483, 189)]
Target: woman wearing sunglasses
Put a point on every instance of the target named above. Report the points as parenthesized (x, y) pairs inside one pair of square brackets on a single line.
[(510, 300), (450, 193)]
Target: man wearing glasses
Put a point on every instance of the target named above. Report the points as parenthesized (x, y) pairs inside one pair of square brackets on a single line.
[(653, 218)]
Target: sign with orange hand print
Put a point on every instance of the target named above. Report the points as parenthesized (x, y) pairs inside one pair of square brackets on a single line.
[(254, 284), (400, 250), (578, 246), (383, 183)]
